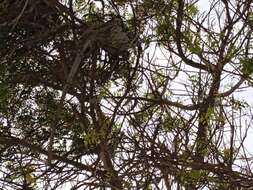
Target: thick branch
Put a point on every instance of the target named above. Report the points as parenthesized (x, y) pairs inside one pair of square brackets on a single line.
[(14, 141)]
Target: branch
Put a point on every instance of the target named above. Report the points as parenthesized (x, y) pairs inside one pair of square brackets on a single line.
[(230, 91), (159, 102), (19, 16), (14, 141), (72, 72), (180, 14)]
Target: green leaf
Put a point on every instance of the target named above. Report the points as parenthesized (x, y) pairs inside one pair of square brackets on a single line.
[(192, 10), (165, 27), (193, 42), (91, 137), (226, 154), (250, 19), (195, 175), (30, 178), (246, 66)]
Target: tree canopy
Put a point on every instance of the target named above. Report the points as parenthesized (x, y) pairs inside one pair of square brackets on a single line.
[(126, 94)]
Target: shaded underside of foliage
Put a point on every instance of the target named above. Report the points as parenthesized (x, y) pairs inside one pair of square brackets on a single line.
[(125, 94)]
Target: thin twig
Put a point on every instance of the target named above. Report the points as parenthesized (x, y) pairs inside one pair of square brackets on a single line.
[(72, 72), (19, 16)]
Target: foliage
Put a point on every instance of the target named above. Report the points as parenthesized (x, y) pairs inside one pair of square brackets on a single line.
[(120, 94)]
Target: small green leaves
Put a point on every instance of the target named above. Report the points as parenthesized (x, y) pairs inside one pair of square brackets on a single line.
[(226, 154), (193, 42), (165, 27), (246, 66), (192, 10), (209, 115), (250, 19), (91, 137), (30, 178), (171, 123), (194, 176)]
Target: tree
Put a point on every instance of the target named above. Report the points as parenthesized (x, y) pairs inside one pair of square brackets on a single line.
[(123, 94)]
